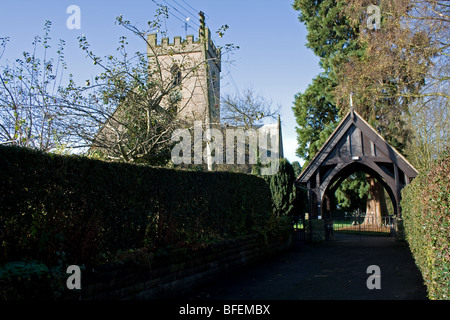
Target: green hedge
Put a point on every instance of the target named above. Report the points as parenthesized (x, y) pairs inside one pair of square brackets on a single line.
[(84, 211), (426, 213)]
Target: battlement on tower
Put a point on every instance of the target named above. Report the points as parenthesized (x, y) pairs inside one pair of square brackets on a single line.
[(165, 43), (180, 46)]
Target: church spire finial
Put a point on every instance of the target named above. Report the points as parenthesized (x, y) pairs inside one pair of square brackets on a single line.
[(352, 109)]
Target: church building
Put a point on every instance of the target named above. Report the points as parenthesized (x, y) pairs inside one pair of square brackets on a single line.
[(187, 74)]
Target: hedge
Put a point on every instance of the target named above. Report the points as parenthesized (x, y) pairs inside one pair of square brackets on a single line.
[(85, 211), (426, 213)]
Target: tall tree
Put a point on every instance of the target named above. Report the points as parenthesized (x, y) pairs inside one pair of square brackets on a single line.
[(332, 38), (430, 117), (316, 116), (388, 75), (383, 67), (282, 189), (352, 194), (388, 78)]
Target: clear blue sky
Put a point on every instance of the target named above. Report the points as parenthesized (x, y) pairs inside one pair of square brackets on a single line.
[(272, 58)]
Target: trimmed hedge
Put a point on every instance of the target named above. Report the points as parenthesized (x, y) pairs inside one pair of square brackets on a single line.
[(426, 213), (85, 211)]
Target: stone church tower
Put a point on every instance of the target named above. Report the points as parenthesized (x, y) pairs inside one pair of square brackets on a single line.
[(194, 66), (186, 73)]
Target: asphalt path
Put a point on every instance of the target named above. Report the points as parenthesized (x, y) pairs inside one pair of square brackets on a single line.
[(329, 271)]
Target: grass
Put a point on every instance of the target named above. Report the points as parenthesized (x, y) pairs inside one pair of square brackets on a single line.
[(298, 225), (362, 232), (347, 227), (372, 230)]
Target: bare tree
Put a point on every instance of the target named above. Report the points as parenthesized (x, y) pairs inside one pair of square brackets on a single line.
[(406, 60), (432, 17), (246, 109), (430, 124), (120, 116), (406, 68), (133, 106), (29, 95), (127, 112), (395, 71)]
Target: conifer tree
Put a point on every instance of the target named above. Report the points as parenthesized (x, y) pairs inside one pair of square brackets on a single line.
[(282, 189), (332, 39)]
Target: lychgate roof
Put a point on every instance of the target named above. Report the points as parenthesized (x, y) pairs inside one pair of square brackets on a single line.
[(355, 146)]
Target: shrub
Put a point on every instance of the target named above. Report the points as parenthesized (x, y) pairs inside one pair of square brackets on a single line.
[(426, 214), (282, 189), (25, 280), (87, 210)]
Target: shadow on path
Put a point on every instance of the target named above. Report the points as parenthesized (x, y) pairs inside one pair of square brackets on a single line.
[(332, 271)]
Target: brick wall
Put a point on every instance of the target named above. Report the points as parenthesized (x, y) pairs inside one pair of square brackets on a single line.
[(175, 276)]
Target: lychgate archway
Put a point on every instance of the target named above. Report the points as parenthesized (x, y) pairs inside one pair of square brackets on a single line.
[(354, 146)]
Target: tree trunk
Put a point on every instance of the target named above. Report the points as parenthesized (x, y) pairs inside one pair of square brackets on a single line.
[(376, 203)]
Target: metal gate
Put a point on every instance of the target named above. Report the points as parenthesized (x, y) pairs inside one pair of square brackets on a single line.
[(299, 225), (359, 226)]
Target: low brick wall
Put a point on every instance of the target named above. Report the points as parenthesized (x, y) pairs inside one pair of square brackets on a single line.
[(176, 275)]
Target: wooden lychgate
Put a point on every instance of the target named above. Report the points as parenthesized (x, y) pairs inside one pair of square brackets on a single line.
[(354, 146)]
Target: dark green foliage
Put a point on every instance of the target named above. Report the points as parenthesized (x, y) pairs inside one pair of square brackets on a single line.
[(301, 195), (353, 192), (330, 34), (297, 168), (316, 116), (426, 213), (87, 210), (282, 188), (286, 198), (331, 37), (23, 280)]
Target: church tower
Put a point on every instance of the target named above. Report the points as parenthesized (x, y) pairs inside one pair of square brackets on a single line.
[(193, 66)]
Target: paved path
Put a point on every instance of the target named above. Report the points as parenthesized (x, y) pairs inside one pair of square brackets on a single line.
[(332, 271)]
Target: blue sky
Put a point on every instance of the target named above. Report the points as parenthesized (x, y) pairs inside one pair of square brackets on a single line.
[(272, 59)]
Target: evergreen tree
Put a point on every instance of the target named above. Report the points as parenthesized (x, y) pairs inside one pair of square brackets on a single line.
[(282, 189), (316, 116), (297, 168), (334, 41), (301, 195), (352, 194)]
